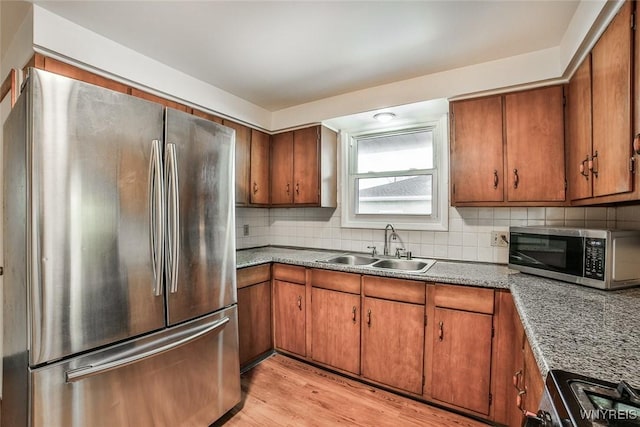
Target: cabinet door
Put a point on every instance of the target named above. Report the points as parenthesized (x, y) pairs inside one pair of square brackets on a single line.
[(611, 68), (207, 116), (534, 122), (254, 321), (476, 151), (305, 166), (462, 359), (157, 99), (289, 316), (393, 343), (282, 168), (260, 151), (579, 141), (533, 383), (336, 329), (243, 157)]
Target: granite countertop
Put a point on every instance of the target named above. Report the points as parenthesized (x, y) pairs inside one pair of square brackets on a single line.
[(570, 327)]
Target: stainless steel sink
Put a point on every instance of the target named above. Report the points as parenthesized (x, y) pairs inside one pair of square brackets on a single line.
[(406, 265), (352, 260), (415, 266)]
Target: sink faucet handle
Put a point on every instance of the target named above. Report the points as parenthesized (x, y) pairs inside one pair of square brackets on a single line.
[(374, 251), (399, 252)]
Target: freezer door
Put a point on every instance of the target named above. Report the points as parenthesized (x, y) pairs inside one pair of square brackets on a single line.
[(185, 376), (95, 221), (201, 257)]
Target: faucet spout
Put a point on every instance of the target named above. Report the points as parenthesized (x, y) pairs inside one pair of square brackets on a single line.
[(386, 238)]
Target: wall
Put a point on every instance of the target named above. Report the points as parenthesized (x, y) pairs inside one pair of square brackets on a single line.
[(468, 237)]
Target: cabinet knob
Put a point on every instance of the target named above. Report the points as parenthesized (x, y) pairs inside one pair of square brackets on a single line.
[(353, 314), (495, 179), (255, 187), (441, 331), (288, 188), (299, 302), (297, 188), (516, 178), (369, 317)]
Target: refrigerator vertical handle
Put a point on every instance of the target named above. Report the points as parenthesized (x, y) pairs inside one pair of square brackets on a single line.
[(173, 247), (156, 215)]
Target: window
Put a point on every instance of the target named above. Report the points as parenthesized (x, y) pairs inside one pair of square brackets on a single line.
[(396, 176)]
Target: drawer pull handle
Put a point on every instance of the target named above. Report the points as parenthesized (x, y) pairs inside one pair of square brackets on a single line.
[(441, 331), (516, 178), (495, 179), (299, 302), (353, 314), (369, 318)]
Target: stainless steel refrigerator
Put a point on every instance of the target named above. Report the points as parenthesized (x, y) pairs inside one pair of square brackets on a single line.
[(119, 287)]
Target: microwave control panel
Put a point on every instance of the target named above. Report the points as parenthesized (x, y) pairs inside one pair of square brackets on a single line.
[(594, 256)]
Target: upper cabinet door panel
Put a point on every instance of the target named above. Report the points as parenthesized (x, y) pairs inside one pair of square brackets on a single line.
[(579, 138), (306, 166), (611, 68), (243, 155), (534, 123), (476, 150), (259, 187), (282, 169)]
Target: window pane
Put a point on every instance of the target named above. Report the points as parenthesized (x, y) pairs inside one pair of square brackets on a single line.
[(399, 195), (386, 153)]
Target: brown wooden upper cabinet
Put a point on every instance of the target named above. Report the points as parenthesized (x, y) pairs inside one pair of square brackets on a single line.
[(243, 157), (259, 169), (303, 167), (509, 149), (477, 160), (599, 111)]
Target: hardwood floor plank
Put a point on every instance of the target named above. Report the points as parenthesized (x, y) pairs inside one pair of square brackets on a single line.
[(282, 391)]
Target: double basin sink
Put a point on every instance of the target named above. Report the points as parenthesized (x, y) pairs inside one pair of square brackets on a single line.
[(415, 266)]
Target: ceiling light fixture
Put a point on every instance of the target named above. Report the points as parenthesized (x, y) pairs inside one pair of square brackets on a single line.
[(384, 117)]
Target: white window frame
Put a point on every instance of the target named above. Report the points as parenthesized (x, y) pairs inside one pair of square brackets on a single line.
[(437, 221)]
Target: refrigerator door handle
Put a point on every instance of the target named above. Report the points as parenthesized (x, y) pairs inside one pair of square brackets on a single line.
[(98, 368), (173, 251), (156, 215)]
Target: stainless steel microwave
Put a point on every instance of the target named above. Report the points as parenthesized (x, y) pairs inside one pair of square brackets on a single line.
[(600, 258)]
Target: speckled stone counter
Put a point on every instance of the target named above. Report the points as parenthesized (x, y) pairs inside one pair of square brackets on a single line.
[(591, 332)]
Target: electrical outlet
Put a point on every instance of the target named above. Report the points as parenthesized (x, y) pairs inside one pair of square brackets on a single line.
[(499, 238), (245, 230)]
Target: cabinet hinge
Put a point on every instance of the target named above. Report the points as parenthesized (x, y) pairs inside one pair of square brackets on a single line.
[(632, 164), (490, 399)]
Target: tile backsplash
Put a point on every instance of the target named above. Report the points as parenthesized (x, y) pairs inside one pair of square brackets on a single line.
[(468, 238)]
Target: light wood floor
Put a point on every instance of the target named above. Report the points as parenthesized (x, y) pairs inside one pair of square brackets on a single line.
[(282, 391)]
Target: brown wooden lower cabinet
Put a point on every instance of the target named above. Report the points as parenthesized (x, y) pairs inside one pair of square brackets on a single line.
[(289, 304), (254, 312), (335, 318), (393, 343), (462, 359), (254, 321)]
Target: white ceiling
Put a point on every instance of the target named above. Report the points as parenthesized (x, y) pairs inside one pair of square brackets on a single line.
[(280, 54)]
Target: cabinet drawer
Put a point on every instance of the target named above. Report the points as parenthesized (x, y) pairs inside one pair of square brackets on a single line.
[(289, 273), (336, 281), (252, 275), (479, 300), (394, 289)]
